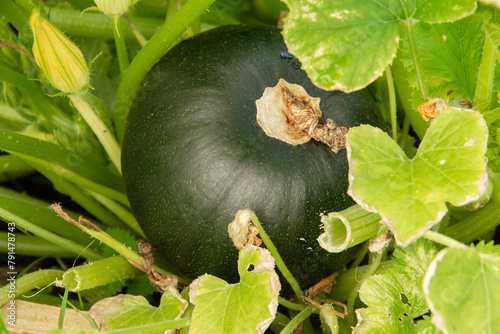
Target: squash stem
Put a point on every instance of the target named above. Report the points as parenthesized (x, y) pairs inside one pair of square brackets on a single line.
[(121, 46), (348, 228), (277, 257), (372, 269), (28, 282), (98, 273), (298, 319), (443, 240)]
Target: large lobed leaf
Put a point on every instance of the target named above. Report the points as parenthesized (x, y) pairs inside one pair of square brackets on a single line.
[(345, 45), (411, 194), (246, 307), (461, 287)]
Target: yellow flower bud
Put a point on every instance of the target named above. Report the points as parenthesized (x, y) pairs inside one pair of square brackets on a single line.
[(113, 7), (59, 58)]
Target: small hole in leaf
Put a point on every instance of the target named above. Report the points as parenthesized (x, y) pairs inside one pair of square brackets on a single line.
[(250, 267), (404, 299)]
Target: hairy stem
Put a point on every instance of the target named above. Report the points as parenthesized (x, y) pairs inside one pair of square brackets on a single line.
[(121, 46), (35, 280), (98, 273), (100, 129)]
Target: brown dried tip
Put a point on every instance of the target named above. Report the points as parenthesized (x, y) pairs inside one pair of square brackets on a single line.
[(288, 113), (161, 282)]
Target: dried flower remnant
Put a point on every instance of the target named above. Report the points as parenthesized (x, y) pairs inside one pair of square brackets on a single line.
[(286, 112), (432, 108)]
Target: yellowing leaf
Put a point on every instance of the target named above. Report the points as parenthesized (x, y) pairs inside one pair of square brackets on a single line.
[(247, 307), (411, 194)]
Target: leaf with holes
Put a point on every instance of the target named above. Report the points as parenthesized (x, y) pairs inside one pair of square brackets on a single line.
[(347, 44), (246, 307), (411, 194), (393, 300)]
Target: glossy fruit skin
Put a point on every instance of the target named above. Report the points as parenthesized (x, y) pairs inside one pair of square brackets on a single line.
[(193, 155)]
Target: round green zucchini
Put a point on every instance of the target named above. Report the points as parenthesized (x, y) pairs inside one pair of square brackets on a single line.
[(194, 154)]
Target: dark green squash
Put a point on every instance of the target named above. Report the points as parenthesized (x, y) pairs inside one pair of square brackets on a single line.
[(193, 155)]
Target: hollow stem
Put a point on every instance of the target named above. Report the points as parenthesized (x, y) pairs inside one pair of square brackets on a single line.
[(348, 228)]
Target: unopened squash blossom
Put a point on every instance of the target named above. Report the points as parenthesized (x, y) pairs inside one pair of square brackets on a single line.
[(59, 58), (113, 7)]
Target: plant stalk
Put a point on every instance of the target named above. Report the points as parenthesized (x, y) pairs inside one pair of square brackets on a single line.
[(121, 46), (348, 228), (298, 319), (154, 49), (100, 129), (35, 280), (98, 273), (277, 257)]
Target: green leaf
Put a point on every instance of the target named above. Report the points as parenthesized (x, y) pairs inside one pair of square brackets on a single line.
[(411, 194), (393, 300), (28, 147), (346, 45), (414, 259), (124, 311), (246, 307), (449, 59), (462, 290)]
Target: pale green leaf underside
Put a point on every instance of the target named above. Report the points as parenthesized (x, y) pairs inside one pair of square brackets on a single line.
[(411, 195), (345, 45), (234, 308), (124, 311), (461, 288)]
